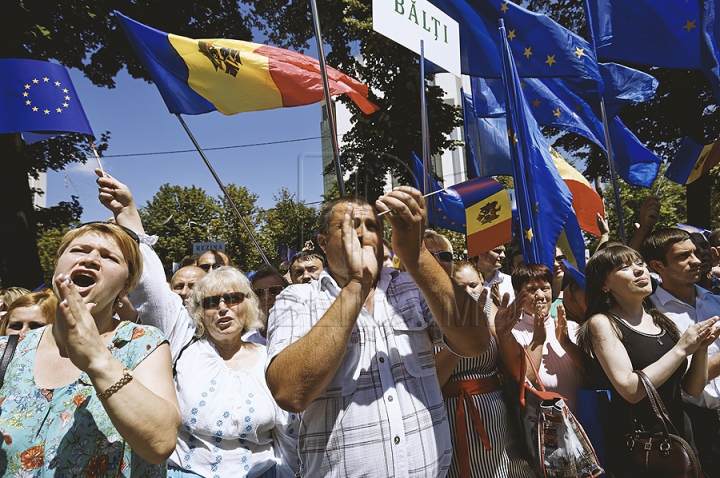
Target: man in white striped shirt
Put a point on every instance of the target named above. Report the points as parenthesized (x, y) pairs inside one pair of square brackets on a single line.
[(353, 351)]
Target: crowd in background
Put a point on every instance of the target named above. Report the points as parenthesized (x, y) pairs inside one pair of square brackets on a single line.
[(368, 357)]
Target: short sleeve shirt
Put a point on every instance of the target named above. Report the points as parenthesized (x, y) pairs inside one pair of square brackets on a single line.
[(382, 414)]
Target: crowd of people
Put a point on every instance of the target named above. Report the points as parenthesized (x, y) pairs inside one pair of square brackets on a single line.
[(369, 357)]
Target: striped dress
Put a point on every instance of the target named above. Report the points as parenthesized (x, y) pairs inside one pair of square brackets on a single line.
[(506, 459)]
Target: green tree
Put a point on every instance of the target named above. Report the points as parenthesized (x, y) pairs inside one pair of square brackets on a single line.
[(53, 223), (238, 245), (80, 34), (180, 216), (391, 71), (289, 223)]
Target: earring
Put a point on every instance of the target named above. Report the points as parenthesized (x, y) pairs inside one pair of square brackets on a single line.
[(119, 303), (607, 299)]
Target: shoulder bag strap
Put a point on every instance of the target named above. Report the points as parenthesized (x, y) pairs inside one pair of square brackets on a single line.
[(657, 404), (7, 356), (192, 341), (541, 386)]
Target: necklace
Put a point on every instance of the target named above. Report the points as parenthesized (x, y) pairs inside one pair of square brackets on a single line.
[(657, 337)]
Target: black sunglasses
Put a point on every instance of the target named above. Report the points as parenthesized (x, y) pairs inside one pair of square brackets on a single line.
[(274, 290), (129, 232), (443, 256), (207, 267), (230, 299)]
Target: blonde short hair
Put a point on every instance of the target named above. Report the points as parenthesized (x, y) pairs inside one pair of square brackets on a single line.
[(220, 281), (433, 238), (46, 300), (129, 248)]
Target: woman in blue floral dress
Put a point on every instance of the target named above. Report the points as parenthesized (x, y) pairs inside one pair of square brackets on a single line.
[(90, 396)]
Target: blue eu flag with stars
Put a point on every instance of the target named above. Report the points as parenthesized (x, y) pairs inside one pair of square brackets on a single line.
[(38, 97)]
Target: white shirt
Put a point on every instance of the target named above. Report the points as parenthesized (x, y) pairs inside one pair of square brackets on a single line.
[(382, 414), (684, 315), (557, 371), (217, 395), (505, 284)]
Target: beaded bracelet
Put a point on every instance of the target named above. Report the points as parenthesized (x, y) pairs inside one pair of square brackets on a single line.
[(127, 376)]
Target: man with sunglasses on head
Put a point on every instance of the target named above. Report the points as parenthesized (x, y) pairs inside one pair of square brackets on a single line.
[(213, 260), (306, 266), (353, 350)]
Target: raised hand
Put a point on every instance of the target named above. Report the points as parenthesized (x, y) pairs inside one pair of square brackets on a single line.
[(561, 327), (117, 197), (360, 260), (699, 335), (495, 294), (75, 330), (408, 220), (509, 313)]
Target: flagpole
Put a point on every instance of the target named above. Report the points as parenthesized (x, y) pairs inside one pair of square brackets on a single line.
[(222, 187), (606, 130), (430, 201), (328, 100)]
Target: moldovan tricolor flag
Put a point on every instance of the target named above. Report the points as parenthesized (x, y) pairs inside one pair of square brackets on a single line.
[(586, 202), (692, 161), (488, 217), (233, 76)]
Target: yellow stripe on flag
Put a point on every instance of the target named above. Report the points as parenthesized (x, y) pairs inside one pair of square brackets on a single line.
[(698, 169), (488, 213), (231, 83)]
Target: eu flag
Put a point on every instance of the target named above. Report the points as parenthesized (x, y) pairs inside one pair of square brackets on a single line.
[(38, 97), (486, 146), (449, 211), (543, 48), (565, 104), (543, 199)]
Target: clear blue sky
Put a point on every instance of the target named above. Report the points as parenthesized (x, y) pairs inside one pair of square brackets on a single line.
[(139, 122)]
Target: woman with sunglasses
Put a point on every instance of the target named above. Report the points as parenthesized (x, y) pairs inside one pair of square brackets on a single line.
[(90, 395), (231, 426)]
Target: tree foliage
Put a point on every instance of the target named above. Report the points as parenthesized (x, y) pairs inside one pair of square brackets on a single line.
[(52, 225), (289, 223)]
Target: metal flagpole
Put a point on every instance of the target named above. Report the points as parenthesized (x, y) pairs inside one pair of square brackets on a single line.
[(425, 128), (606, 130), (222, 187), (328, 100)]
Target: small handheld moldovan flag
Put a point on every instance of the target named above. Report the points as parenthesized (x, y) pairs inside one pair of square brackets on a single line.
[(38, 97), (233, 76), (488, 216), (692, 160)]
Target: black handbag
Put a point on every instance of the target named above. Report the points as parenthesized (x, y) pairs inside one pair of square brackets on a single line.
[(662, 454), (7, 356)]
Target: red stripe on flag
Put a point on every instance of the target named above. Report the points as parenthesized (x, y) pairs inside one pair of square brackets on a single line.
[(587, 203), (490, 238), (298, 79)]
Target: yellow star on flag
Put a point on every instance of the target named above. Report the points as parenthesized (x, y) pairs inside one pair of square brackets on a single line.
[(504, 7), (580, 52), (536, 207), (67, 98), (689, 25), (46, 79), (28, 102), (57, 83), (47, 112), (35, 108), (65, 105), (550, 60), (65, 90), (529, 234), (557, 112), (528, 52), (537, 102), (25, 94), (59, 110), (511, 35), (523, 85), (513, 136), (35, 80), (27, 87)]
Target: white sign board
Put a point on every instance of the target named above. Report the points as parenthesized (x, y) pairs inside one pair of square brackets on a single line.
[(202, 247), (409, 21)]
